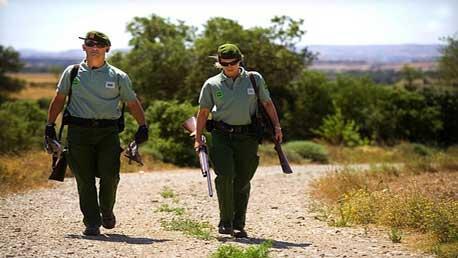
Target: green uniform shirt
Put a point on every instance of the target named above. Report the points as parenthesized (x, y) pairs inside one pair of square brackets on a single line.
[(96, 92), (233, 102)]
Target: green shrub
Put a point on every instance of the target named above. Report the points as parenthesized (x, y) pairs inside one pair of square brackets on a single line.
[(21, 126), (43, 103), (307, 150), (336, 130), (167, 136), (395, 235), (200, 230), (232, 251)]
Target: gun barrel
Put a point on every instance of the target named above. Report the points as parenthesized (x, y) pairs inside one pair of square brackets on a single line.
[(209, 184)]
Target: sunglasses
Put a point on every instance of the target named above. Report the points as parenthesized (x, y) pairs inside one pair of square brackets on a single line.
[(92, 43), (229, 63)]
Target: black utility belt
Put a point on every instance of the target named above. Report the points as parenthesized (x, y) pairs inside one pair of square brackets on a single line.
[(227, 128), (94, 123)]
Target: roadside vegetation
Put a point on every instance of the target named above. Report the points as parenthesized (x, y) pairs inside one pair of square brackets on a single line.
[(417, 201), (233, 251), (178, 220)]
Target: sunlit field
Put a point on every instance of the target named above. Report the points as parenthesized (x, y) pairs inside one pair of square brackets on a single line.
[(37, 85)]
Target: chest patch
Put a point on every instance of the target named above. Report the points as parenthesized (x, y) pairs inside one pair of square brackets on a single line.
[(109, 85), (219, 94), (76, 82), (250, 91)]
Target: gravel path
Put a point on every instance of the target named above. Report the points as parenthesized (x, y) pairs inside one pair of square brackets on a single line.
[(47, 222)]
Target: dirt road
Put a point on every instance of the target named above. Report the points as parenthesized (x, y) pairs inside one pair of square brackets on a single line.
[(47, 222)]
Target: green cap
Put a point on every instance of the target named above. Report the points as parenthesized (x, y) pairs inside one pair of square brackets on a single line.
[(97, 36), (229, 51)]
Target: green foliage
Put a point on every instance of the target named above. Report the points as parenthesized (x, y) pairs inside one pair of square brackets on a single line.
[(447, 104), (421, 150), (232, 251), (166, 208), (21, 126), (167, 192), (9, 62), (308, 150), (312, 102), (167, 136), (337, 131), (200, 230), (410, 74), (412, 117), (160, 59), (448, 62), (395, 235)]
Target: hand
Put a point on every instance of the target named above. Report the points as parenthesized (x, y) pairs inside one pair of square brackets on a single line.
[(141, 135), (50, 131), (278, 134), (198, 143)]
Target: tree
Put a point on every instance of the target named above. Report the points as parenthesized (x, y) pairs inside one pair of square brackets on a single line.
[(306, 111), (9, 62), (410, 74), (159, 60), (448, 62)]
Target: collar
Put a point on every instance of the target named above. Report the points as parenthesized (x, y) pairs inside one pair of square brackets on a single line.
[(243, 73), (102, 68)]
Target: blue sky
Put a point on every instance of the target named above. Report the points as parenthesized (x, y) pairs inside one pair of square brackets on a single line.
[(55, 25)]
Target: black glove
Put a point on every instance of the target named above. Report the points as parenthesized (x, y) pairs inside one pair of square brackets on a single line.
[(141, 135), (50, 131)]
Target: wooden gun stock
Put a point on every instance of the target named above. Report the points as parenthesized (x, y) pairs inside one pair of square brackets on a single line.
[(285, 167)]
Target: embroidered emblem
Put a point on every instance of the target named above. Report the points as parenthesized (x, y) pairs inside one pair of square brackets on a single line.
[(109, 85), (219, 94), (76, 81), (250, 91)]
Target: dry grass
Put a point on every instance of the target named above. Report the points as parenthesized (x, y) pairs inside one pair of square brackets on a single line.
[(419, 197), (35, 77), (362, 154), (34, 93), (28, 171), (38, 85)]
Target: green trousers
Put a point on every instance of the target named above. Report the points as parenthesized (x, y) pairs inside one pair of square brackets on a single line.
[(94, 152), (234, 159)]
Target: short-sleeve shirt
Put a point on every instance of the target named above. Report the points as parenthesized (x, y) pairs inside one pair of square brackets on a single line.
[(96, 92), (233, 101)]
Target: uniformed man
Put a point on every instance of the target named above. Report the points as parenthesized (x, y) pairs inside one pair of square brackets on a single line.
[(93, 141), (231, 99)]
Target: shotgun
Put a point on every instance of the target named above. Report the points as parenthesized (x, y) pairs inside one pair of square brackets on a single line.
[(202, 153)]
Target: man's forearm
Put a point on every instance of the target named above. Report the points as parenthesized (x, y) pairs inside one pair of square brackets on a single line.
[(272, 113), (56, 106), (137, 112)]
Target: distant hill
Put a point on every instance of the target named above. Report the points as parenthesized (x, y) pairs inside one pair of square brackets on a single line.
[(368, 55), (377, 53)]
